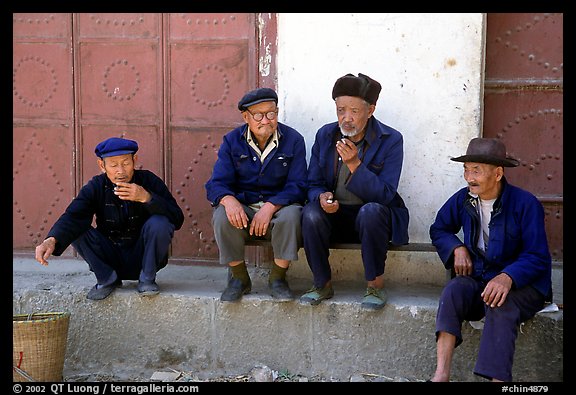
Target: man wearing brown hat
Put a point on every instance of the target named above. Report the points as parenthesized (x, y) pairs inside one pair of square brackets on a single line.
[(136, 216), (353, 178), (257, 189), (501, 267)]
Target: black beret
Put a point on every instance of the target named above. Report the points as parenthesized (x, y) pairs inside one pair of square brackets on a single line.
[(257, 96), (115, 146), (361, 86)]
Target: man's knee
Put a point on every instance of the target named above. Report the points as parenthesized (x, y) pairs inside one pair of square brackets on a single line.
[(312, 214), (374, 213), (159, 224)]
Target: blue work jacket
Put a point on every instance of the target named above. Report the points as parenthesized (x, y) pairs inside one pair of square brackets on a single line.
[(517, 242), (119, 220), (238, 171), (375, 180)]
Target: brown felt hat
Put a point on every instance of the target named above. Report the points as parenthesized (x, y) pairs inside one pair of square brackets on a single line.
[(361, 86), (487, 150)]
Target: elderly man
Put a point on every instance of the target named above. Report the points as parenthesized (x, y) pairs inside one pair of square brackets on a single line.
[(501, 266), (257, 190), (353, 179), (136, 216)]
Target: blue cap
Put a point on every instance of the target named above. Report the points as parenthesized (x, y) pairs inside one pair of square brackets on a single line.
[(257, 96), (115, 146)]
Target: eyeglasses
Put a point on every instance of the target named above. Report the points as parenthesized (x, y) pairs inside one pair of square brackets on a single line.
[(270, 115)]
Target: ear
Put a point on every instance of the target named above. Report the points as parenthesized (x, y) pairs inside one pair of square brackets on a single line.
[(499, 173), (245, 116), (371, 110), (101, 165)]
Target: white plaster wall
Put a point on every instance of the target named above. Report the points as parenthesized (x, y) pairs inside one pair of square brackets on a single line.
[(431, 70)]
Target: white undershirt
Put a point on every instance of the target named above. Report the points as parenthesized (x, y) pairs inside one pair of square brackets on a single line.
[(485, 216)]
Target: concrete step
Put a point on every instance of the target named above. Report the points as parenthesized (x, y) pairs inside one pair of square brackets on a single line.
[(187, 328)]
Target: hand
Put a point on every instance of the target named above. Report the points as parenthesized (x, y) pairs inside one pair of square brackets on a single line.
[(349, 154), (132, 192), (462, 261), (261, 220), (497, 290), (235, 212), (328, 203), (44, 250)]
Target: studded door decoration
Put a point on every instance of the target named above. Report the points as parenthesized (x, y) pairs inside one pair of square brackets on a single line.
[(523, 105), (169, 81)]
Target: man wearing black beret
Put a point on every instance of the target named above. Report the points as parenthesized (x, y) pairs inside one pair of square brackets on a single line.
[(136, 216), (353, 178), (257, 189)]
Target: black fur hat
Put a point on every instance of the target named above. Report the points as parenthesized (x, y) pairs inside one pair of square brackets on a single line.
[(361, 86)]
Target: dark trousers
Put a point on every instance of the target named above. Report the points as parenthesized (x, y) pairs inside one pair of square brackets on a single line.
[(136, 261), (368, 224), (460, 300)]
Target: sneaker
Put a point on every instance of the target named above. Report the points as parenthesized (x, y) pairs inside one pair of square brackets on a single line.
[(280, 290), (99, 293), (316, 295), (148, 289), (374, 299)]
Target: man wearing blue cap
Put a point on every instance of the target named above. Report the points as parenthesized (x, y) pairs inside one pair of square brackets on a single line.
[(257, 189), (353, 197), (136, 216)]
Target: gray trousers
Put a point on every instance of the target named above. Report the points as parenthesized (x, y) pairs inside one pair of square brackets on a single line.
[(284, 232)]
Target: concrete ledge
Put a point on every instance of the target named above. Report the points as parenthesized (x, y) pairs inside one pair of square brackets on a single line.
[(187, 328)]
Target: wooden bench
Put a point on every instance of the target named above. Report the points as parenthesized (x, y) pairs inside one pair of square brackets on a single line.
[(260, 251), (420, 247)]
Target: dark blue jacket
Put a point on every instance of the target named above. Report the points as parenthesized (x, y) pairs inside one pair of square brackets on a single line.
[(517, 243), (280, 180), (377, 178), (97, 198)]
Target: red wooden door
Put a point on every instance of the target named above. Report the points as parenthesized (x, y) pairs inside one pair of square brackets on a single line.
[(523, 105), (169, 81)]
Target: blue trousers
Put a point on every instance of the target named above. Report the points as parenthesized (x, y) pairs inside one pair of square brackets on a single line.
[(460, 300), (136, 261), (368, 224)]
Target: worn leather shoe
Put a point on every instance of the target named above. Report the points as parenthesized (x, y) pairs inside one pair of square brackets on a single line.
[(99, 293), (281, 291), (148, 289), (235, 290)]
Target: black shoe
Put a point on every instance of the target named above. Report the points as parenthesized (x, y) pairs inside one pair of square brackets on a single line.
[(102, 293), (235, 290), (281, 291), (148, 289)]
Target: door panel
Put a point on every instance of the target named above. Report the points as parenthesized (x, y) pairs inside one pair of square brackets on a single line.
[(523, 105), (169, 81)]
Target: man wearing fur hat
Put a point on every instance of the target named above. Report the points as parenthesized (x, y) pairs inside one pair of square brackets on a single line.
[(136, 216), (257, 189), (353, 178), (501, 267)]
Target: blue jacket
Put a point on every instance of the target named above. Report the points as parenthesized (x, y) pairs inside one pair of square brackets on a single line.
[(517, 243), (280, 180), (97, 198), (377, 178)]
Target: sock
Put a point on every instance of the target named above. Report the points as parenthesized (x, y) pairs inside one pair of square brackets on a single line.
[(277, 273), (240, 272)]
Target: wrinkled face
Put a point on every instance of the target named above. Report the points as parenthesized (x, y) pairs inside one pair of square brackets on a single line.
[(262, 118), (353, 114), (483, 179), (118, 168)]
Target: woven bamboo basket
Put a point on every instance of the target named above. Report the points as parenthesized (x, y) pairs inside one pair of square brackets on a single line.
[(39, 346)]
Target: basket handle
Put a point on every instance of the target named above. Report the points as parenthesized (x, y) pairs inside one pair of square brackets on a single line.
[(23, 373)]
